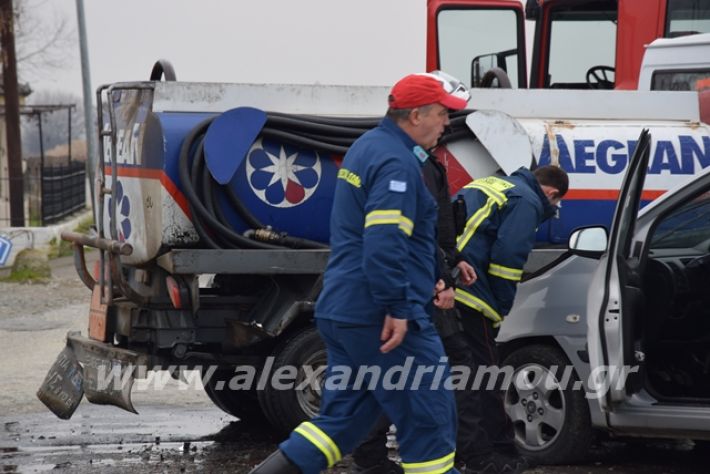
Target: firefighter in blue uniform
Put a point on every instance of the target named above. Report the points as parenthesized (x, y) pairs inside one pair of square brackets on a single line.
[(378, 287), (503, 214)]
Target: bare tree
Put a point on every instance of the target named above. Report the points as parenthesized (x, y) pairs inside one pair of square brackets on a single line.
[(43, 41)]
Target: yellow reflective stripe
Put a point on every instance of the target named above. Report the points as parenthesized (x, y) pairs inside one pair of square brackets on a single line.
[(320, 440), (514, 274), (493, 184), (490, 192), (350, 177), (435, 466), (390, 216), (406, 225), (478, 304), (472, 225)]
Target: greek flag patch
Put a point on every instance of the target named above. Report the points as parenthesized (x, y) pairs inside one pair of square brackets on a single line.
[(398, 186)]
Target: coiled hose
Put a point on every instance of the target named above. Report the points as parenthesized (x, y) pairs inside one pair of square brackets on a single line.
[(327, 135)]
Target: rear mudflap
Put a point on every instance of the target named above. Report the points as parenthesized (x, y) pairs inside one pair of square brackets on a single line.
[(100, 371)]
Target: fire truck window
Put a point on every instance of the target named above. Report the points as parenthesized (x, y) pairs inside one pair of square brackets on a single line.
[(687, 17), (580, 39), (687, 80), (487, 34)]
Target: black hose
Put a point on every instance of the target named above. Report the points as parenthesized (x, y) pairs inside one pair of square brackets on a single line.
[(210, 222), (296, 124), (364, 123), (297, 140), (249, 218), (346, 142), (328, 135), (202, 210)]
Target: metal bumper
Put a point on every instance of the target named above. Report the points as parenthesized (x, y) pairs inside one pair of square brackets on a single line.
[(100, 371)]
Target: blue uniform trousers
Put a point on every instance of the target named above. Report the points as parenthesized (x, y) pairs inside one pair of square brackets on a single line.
[(407, 384)]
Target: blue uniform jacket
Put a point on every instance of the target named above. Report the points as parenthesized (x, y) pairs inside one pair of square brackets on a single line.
[(382, 233), (503, 215)]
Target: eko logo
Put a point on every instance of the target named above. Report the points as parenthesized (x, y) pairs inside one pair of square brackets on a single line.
[(280, 175)]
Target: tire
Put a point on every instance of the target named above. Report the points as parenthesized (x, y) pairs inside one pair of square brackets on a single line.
[(285, 409), (557, 428), (240, 403)]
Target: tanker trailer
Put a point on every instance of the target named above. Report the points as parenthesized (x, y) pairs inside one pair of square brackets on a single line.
[(212, 223), (212, 206)]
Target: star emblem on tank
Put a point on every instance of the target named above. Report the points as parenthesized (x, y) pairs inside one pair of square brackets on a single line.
[(123, 210), (281, 175)]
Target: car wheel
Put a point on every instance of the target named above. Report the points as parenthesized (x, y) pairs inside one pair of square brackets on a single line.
[(240, 403), (286, 408), (550, 418)]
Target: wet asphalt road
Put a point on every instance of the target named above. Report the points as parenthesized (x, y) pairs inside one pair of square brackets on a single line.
[(105, 439), (177, 430), (169, 439)]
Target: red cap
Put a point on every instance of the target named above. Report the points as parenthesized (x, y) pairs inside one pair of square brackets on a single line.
[(417, 90)]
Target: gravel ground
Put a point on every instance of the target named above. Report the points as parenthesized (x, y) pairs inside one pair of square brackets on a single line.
[(34, 320)]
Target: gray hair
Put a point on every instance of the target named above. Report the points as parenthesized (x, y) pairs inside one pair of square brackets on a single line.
[(398, 115)]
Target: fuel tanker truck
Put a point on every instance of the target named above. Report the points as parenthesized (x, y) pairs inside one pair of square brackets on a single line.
[(212, 205), (213, 220)]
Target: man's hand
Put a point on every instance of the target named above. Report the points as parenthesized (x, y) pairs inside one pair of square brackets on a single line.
[(467, 273), (443, 298), (393, 332)]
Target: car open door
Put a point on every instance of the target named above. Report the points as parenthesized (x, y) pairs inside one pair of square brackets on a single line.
[(615, 293)]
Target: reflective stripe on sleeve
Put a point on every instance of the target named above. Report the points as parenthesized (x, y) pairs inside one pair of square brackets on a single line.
[(435, 466), (514, 274), (472, 225), (464, 297), (320, 440), (390, 216)]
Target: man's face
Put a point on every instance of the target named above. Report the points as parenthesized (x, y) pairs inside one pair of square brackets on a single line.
[(431, 123)]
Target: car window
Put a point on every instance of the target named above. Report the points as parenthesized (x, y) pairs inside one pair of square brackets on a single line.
[(685, 80), (686, 227)]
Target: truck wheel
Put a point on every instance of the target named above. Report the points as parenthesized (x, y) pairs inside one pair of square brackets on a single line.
[(285, 409), (240, 403), (550, 418)]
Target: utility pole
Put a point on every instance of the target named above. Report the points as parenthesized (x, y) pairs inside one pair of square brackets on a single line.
[(12, 113), (91, 132)]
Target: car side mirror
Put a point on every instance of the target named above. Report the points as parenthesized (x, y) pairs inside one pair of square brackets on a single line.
[(589, 241)]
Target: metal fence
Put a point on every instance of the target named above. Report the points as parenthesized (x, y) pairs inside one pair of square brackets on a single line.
[(51, 192), (63, 191)]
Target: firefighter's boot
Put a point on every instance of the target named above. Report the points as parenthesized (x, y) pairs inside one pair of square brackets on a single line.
[(276, 463)]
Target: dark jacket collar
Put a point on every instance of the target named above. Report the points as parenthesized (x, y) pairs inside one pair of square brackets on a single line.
[(548, 210), (395, 129)]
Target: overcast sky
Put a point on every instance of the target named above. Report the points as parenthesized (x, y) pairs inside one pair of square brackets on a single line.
[(369, 42)]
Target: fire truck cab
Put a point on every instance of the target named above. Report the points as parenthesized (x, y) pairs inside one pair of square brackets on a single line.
[(577, 44)]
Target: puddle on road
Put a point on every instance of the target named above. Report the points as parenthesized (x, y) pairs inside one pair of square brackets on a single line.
[(161, 440), (206, 456), (173, 439)]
